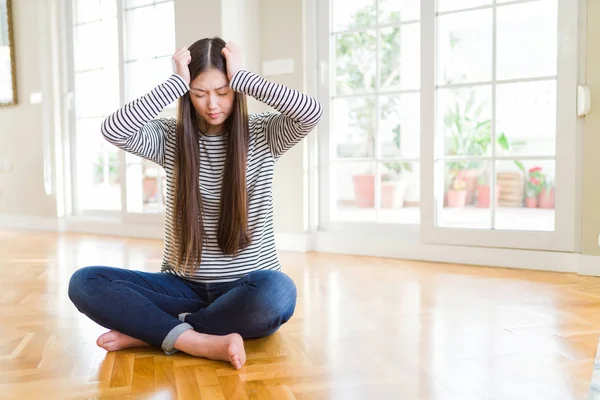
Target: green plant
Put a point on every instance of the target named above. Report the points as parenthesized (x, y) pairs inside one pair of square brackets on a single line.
[(356, 72), (459, 184), (396, 167), (536, 180), (468, 134), (112, 165)]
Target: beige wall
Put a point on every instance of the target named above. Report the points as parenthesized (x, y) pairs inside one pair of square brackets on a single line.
[(591, 137), (283, 37), (21, 126)]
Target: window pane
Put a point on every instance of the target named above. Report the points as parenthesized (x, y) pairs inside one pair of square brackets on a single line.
[(146, 187), (465, 47), (526, 118), (400, 56), (527, 191), (98, 185), (400, 192), (355, 62), (348, 14), (354, 128), (97, 92), (453, 5), (143, 76), (464, 117), (466, 194), (353, 190), (164, 40), (138, 3), (399, 127), (90, 140), (96, 45), (392, 11), (141, 33), (527, 40), (92, 10)]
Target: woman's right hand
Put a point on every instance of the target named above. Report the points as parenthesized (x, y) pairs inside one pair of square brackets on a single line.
[(181, 59)]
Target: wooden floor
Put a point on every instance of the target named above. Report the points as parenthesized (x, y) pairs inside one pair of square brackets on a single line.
[(365, 328)]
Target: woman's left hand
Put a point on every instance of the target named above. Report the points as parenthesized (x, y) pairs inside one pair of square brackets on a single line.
[(233, 58)]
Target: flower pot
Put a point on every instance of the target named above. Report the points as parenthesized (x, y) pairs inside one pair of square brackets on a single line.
[(392, 194), (531, 202), (484, 195), (546, 198), (150, 188), (456, 198), (470, 177), (364, 190)]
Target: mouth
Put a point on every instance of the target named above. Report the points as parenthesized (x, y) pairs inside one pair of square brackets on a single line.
[(213, 115)]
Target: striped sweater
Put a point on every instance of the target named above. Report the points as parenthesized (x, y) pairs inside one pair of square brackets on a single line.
[(136, 129)]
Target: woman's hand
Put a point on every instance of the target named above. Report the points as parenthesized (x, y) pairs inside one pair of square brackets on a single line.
[(181, 59), (233, 58)]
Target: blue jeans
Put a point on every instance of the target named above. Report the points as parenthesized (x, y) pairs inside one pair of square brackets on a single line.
[(157, 307)]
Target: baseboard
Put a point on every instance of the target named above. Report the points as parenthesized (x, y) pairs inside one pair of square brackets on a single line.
[(342, 243), (296, 242), (114, 227), (414, 250), (589, 265), (27, 222)]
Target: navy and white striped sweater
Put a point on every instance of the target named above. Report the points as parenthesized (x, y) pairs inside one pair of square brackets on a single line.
[(136, 129)]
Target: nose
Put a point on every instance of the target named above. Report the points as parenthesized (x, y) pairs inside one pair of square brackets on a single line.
[(212, 101)]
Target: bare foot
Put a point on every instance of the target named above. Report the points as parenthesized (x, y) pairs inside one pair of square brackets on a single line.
[(223, 348), (115, 340)]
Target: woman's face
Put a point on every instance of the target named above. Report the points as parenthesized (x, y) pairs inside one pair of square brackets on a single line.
[(213, 99)]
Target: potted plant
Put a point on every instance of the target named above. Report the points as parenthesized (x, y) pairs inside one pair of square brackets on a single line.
[(484, 192), (546, 197), (533, 186), (364, 190), (393, 187), (457, 193)]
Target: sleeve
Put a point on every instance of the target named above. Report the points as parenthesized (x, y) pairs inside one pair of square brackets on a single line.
[(134, 127), (298, 113)]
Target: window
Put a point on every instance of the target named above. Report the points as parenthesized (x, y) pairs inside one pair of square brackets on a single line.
[(459, 116), (118, 55), (375, 109), (496, 115)]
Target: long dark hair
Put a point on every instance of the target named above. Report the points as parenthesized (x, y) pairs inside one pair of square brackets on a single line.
[(188, 221)]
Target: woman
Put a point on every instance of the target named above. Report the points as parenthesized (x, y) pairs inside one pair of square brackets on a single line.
[(220, 279)]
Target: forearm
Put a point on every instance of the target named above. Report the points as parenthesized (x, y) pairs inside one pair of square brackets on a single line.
[(304, 110), (118, 127)]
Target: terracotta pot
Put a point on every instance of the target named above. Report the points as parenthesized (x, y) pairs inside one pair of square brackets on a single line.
[(387, 196), (531, 202), (457, 198), (364, 190), (546, 198), (484, 195), (150, 188), (470, 176), (392, 194)]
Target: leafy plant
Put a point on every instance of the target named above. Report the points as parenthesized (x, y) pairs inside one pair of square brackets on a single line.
[(398, 166), (536, 180), (356, 71), (468, 134)]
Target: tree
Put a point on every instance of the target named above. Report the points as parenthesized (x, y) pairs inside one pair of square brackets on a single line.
[(356, 72)]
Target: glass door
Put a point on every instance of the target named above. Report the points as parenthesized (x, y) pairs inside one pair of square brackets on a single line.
[(121, 50), (498, 143)]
